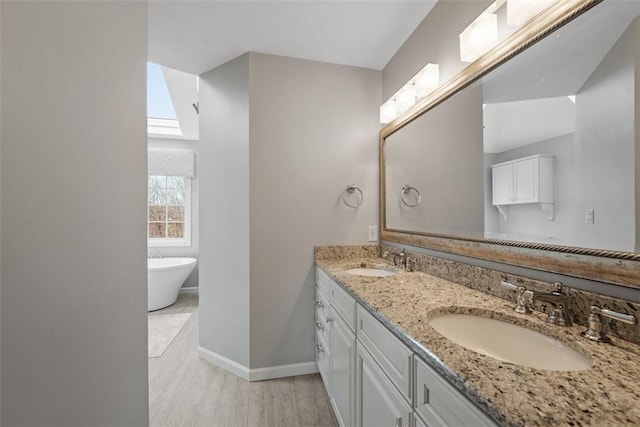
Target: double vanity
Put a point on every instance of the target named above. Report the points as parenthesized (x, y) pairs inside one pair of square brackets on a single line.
[(406, 348)]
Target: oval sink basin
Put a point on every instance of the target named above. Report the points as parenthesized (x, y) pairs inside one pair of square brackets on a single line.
[(509, 343), (370, 272)]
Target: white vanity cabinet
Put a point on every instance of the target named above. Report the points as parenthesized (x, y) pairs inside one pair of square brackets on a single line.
[(372, 377), (393, 356), (342, 371), (438, 403), (525, 180), (323, 337), (378, 402), (336, 362)]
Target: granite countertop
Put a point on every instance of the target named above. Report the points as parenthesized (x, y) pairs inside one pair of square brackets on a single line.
[(607, 394)]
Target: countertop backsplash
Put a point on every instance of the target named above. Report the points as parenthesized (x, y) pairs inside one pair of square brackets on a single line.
[(488, 281)]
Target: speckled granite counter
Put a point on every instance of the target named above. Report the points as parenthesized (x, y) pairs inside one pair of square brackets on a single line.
[(607, 394)]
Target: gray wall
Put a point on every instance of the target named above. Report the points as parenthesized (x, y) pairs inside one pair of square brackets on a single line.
[(605, 136), (272, 170), (436, 39), (193, 250), (224, 208), (314, 130), (636, 85), (74, 330), (440, 154)]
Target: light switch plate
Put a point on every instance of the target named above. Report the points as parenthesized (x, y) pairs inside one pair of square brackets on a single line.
[(373, 233), (590, 216)]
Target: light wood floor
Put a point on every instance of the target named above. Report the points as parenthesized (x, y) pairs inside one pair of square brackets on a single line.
[(184, 390)]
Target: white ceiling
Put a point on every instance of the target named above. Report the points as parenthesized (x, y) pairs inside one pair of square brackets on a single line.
[(196, 36), (526, 98), (508, 125)]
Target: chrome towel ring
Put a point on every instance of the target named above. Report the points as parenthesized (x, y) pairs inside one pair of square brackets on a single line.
[(406, 189), (351, 189)]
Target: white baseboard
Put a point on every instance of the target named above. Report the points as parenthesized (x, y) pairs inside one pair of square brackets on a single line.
[(282, 371), (224, 363), (258, 374), (190, 290)]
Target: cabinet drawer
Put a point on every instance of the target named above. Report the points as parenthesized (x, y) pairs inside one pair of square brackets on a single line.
[(394, 357), (323, 281), (440, 404), (322, 302), (344, 305), (323, 325)]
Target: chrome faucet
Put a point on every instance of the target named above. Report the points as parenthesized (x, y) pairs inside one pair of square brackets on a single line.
[(401, 256), (559, 315), (525, 298)]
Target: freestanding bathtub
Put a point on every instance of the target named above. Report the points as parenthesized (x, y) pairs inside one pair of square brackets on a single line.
[(165, 277)]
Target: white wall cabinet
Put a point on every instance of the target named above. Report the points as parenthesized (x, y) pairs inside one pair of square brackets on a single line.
[(525, 180)]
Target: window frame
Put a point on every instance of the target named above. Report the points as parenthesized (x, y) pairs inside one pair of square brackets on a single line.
[(173, 242)]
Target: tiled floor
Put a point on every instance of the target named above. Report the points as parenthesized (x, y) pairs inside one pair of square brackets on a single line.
[(184, 390)]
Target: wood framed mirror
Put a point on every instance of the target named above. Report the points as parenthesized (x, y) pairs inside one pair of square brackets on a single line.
[(466, 150)]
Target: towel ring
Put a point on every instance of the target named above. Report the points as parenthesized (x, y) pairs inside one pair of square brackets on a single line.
[(406, 189), (352, 188)]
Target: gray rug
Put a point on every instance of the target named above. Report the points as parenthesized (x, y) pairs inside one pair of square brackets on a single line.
[(163, 328)]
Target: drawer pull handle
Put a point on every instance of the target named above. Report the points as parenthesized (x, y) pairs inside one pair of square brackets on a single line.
[(426, 395), (319, 304), (319, 326), (329, 320), (399, 422), (319, 348)]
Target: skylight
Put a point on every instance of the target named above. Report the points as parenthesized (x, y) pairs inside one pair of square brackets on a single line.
[(172, 103), (159, 104)]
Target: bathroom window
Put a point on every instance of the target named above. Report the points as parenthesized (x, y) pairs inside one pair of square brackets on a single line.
[(168, 213)]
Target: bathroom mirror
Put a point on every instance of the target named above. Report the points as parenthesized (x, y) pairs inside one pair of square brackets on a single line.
[(535, 162)]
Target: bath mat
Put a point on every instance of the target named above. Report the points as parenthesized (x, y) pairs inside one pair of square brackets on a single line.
[(163, 328)]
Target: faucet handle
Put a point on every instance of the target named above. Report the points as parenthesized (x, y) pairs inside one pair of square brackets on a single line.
[(594, 331), (524, 299), (559, 288)]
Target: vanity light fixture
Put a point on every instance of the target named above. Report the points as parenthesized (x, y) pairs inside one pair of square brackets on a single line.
[(406, 97), (479, 36), (427, 80), (389, 110), (521, 11), (420, 85)]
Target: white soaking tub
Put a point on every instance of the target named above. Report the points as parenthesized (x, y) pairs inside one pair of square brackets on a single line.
[(165, 277)]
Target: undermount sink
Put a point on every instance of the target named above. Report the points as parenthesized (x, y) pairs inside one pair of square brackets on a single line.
[(370, 272), (509, 343)]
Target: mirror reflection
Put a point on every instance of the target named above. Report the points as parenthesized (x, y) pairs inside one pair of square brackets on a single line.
[(543, 149)]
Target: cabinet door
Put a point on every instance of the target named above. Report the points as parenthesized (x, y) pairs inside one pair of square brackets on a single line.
[(440, 404), (342, 372), (390, 353), (526, 181), (502, 184), (378, 403), (323, 358)]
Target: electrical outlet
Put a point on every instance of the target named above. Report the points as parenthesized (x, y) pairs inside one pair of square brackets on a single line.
[(373, 233), (590, 218)]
